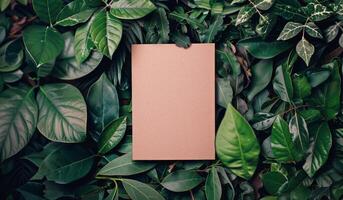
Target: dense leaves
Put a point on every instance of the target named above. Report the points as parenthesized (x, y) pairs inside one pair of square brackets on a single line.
[(65, 78)]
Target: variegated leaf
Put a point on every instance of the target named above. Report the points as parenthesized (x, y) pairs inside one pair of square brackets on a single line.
[(313, 30), (318, 12), (264, 4), (331, 32), (245, 14), (290, 30), (305, 50)]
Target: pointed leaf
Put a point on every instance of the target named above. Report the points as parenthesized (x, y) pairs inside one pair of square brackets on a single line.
[(319, 149), (318, 11), (74, 13), (131, 9), (182, 180), (298, 127), (62, 113), (313, 30), (290, 30), (47, 10), (236, 144), (224, 92), (106, 32), (83, 43), (331, 32), (282, 83), (213, 188), (245, 14), (112, 135)]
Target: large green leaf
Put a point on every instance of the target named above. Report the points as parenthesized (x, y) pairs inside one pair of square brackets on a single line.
[(67, 67), (11, 56), (272, 181), (270, 49), (213, 188), (106, 32), (182, 180), (43, 44), (103, 104), (282, 144), (319, 148), (74, 13), (47, 10), (125, 166), (19, 114), (261, 76), (62, 113), (83, 43), (140, 191), (131, 9), (236, 144), (66, 164), (112, 135), (282, 83)]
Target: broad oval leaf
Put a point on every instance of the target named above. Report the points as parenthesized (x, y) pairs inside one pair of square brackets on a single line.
[(283, 147), (182, 180), (66, 164), (272, 181), (270, 49), (305, 50), (68, 68), (106, 32), (236, 144), (19, 114), (319, 148), (125, 166), (74, 13), (261, 76), (47, 10), (131, 9), (282, 83), (103, 104), (213, 187), (290, 30), (62, 113), (140, 191), (298, 127), (43, 44), (112, 135)]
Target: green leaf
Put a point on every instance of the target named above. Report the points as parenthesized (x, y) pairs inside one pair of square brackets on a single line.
[(83, 43), (62, 113), (213, 188), (125, 166), (229, 58), (103, 103), (4, 4), (140, 191), (282, 83), (43, 44), (236, 144), (180, 40), (112, 135), (264, 4), (318, 11), (317, 77), (11, 56), (182, 180), (272, 181), (261, 76), (298, 129), (224, 92), (302, 87), (66, 164), (283, 147), (131, 9), (47, 10), (319, 148), (271, 49), (245, 13), (106, 32), (67, 67), (19, 114), (290, 30), (74, 13), (215, 27), (313, 30)]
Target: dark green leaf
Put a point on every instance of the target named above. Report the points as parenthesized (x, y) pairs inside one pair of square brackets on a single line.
[(140, 191), (47, 10), (272, 181), (213, 186), (74, 13), (282, 83), (182, 180), (224, 92), (131, 9)]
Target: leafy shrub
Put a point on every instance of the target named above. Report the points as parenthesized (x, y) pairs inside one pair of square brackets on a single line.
[(65, 111)]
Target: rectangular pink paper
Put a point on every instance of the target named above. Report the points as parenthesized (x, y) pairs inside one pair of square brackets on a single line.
[(173, 102)]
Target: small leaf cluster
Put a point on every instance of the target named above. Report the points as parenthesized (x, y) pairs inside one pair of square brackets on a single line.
[(65, 99)]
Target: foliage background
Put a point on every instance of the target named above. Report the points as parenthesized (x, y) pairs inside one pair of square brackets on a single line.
[(65, 112)]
